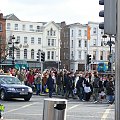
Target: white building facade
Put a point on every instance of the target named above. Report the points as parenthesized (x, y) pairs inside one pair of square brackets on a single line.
[(80, 46), (32, 37)]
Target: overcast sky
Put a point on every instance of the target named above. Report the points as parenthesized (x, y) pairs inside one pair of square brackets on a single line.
[(71, 11)]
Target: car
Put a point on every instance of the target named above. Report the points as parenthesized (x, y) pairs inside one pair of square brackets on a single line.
[(11, 87)]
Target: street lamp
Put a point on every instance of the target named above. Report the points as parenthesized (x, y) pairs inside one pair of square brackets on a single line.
[(13, 42), (109, 43)]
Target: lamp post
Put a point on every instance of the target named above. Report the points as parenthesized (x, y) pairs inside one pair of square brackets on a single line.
[(110, 42), (13, 42)]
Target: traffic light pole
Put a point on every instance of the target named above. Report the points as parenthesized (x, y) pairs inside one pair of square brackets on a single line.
[(117, 65), (41, 64)]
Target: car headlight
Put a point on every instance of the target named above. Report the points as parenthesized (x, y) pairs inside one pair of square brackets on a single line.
[(30, 90), (11, 89)]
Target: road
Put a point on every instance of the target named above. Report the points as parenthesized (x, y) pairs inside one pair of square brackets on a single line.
[(18, 109)]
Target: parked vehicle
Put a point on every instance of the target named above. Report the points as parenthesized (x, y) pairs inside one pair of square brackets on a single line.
[(102, 67), (11, 87)]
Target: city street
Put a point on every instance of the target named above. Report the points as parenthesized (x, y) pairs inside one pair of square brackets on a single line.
[(18, 109)]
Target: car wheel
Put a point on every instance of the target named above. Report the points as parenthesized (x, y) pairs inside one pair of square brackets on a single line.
[(26, 99), (2, 95)]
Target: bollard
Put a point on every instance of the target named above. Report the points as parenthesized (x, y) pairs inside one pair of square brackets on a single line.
[(1, 110), (54, 109)]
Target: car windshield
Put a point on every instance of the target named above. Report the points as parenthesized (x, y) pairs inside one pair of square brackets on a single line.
[(9, 80), (101, 64)]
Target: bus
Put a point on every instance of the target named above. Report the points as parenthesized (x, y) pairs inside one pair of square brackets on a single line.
[(102, 67)]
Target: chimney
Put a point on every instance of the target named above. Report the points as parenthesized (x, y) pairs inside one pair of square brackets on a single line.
[(1, 15), (63, 24)]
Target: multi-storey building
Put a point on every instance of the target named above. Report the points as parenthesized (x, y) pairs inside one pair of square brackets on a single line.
[(32, 37), (75, 46), (2, 38)]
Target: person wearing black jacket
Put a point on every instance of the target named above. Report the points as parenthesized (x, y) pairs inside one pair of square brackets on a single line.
[(110, 91), (50, 85), (79, 86), (69, 86)]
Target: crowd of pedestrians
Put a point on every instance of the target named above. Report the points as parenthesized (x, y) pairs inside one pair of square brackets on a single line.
[(87, 86)]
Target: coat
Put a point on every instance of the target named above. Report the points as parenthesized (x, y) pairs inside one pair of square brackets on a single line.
[(50, 83)]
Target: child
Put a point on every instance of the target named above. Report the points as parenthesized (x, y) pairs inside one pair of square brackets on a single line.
[(87, 91), (102, 95)]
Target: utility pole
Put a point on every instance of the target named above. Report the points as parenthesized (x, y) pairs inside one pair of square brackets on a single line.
[(117, 65)]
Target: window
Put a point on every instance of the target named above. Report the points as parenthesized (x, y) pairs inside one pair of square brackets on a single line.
[(79, 32), (54, 33), (52, 55), (18, 53), (72, 56), (94, 55), (25, 53), (48, 55), (32, 40), (31, 27), (64, 55), (101, 55), (8, 26), (48, 33), (79, 54), (23, 27), (72, 44), (108, 53), (32, 54), (79, 43), (48, 42), (51, 31), (85, 43), (94, 42), (94, 30), (38, 28), (25, 40), (53, 44), (16, 26), (39, 40), (0, 27), (85, 32), (72, 33), (18, 39)]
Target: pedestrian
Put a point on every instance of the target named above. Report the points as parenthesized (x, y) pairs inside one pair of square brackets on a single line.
[(87, 91), (96, 88), (38, 83), (50, 85), (110, 91)]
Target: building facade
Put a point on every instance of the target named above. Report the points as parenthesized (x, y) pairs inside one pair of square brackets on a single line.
[(32, 37), (78, 46), (3, 45)]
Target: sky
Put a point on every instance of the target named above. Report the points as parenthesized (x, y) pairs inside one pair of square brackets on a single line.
[(70, 11)]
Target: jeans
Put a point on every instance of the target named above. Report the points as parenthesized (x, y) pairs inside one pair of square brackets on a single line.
[(81, 93), (50, 92), (110, 98), (38, 88)]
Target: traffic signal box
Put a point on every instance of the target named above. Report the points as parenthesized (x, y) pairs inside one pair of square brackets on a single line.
[(88, 59), (42, 56), (38, 56), (109, 14)]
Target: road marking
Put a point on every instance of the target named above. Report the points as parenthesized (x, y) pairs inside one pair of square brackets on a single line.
[(72, 107), (105, 114), (20, 107)]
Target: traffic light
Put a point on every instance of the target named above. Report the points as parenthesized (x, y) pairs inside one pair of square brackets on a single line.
[(38, 56), (42, 56), (88, 59), (109, 14)]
